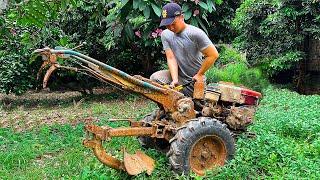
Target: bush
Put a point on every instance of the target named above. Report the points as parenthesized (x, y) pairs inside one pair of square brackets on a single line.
[(232, 67), (254, 78), (221, 20), (29, 26), (229, 73), (229, 55), (15, 70), (275, 34), (14, 76)]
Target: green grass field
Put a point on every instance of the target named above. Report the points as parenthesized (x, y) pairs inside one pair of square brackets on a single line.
[(41, 138)]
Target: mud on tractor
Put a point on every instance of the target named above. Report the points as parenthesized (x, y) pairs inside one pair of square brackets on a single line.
[(196, 133)]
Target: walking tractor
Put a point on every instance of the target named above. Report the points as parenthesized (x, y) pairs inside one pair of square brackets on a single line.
[(196, 133)]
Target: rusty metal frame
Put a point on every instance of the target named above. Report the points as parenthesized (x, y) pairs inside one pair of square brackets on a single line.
[(165, 97), (152, 90)]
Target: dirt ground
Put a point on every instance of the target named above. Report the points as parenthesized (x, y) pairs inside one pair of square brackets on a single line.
[(34, 109)]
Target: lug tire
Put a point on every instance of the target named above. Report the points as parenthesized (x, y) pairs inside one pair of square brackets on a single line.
[(200, 145)]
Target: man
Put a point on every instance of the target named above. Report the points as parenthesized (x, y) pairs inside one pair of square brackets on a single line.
[(184, 46)]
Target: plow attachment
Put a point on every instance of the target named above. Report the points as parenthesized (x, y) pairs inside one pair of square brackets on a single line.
[(133, 164)]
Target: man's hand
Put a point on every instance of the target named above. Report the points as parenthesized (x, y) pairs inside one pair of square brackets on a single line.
[(198, 78), (174, 83)]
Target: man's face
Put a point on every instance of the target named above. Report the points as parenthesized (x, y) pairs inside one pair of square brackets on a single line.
[(175, 26)]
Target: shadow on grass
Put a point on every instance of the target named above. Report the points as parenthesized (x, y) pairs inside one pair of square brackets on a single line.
[(33, 99)]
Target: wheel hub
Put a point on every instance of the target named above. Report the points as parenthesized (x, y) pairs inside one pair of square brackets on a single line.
[(207, 153)]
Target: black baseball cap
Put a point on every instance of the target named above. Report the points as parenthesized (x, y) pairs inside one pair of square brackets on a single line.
[(169, 12)]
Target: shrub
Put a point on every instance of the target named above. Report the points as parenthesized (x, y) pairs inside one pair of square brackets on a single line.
[(229, 73), (232, 67), (221, 29), (24, 28), (255, 79), (229, 55), (275, 34), (15, 70), (14, 76)]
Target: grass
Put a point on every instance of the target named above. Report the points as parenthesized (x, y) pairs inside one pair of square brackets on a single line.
[(43, 142)]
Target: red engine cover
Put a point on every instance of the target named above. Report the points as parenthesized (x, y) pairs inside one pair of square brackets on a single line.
[(251, 97)]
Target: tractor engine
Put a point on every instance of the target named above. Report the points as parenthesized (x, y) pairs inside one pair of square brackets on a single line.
[(230, 104)]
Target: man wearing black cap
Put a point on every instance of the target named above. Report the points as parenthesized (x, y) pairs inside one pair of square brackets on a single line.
[(184, 45)]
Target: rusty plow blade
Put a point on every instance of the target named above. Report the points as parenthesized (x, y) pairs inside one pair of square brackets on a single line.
[(133, 164), (137, 163)]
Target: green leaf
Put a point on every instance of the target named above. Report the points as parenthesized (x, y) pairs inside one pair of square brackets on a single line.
[(219, 2), (117, 31), (39, 15), (74, 3), (156, 9), (12, 15), (129, 32), (204, 28), (63, 41), (136, 4), (146, 12), (147, 43), (185, 8), (63, 4), (25, 38), (187, 15), (33, 20), (194, 22), (210, 5), (124, 2), (142, 5), (214, 8), (203, 5), (204, 17), (24, 21)]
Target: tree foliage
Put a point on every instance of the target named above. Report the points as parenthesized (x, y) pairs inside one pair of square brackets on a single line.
[(124, 34), (275, 33), (34, 24), (221, 30), (134, 25), (232, 66)]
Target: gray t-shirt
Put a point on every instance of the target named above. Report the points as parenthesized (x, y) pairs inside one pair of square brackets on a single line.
[(187, 47)]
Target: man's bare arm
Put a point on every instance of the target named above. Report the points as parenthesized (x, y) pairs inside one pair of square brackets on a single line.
[(211, 55), (173, 66)]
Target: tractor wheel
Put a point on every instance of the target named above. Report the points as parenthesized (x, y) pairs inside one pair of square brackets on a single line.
[(147, 142), (201, 145)]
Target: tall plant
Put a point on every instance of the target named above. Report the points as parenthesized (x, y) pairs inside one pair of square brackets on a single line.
[(24, 27), (275, 33)]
